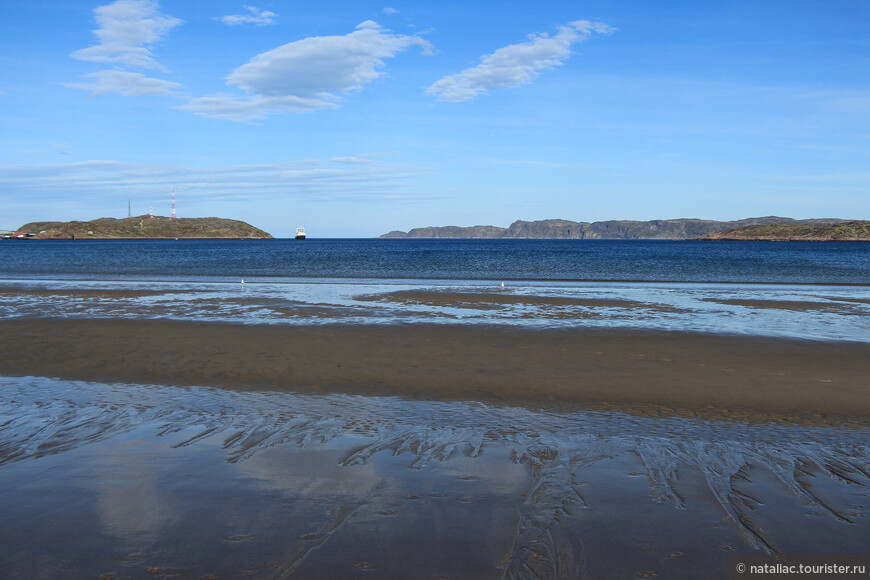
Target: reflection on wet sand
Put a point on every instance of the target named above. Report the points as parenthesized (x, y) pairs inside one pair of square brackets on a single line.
[(133, 508), (280, 485)]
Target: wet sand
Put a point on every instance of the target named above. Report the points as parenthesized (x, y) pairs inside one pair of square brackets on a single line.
[(144, 481), (446, 299), (797, 305), (454, 362)]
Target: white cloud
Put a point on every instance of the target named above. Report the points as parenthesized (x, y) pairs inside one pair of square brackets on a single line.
[(390, 11), (124, 83), (256, 16), (306, 75), (516, 64), (127, 28)]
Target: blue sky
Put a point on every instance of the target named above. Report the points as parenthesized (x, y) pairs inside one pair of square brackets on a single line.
[(356, 118)]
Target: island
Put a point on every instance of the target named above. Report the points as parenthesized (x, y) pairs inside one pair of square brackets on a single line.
[(558, 229), (140, 227), (851, 231)]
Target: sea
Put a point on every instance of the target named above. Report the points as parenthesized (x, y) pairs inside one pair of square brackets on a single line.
[(287, 260), (111, 480)]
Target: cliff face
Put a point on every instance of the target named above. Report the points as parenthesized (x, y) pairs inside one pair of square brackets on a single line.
[(677, 229), (143, 227), (549, 229), (851, 231)]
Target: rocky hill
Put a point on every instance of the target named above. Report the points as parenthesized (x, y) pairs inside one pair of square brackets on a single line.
[(450, 232), (675, 229), (143, 227), (852, 231)]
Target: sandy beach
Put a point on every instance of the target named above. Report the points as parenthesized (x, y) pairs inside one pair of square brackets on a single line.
[(143, 481), (670, 369), (342, 430)]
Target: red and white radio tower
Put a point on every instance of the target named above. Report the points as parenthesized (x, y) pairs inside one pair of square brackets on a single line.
[(172, 217), (151, 212)]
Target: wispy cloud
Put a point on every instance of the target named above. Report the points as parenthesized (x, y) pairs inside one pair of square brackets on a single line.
[(232, 108), (390, 11), (255, 16), (516, 64), (364, 177), (127, 30), (306, 75), (124, 83)]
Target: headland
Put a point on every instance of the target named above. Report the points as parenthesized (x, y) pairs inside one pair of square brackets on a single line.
[(142, 227), (853, 231)]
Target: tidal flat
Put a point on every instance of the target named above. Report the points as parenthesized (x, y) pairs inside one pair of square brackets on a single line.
[(138, 481), (210, 430)]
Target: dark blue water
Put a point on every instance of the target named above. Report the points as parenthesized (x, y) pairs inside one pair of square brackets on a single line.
[(605, 260)]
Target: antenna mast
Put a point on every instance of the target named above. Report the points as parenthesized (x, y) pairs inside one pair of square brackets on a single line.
[(172, 217)]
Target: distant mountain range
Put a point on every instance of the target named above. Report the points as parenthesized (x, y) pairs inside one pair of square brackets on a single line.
[(143, 227), (676, 229)]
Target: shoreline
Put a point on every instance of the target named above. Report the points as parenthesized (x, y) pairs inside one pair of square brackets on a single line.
[(612, 368)]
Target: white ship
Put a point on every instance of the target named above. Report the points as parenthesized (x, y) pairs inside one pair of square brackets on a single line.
[(300, 233)]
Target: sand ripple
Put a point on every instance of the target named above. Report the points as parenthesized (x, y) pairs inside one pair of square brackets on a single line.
[(823, 468)]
